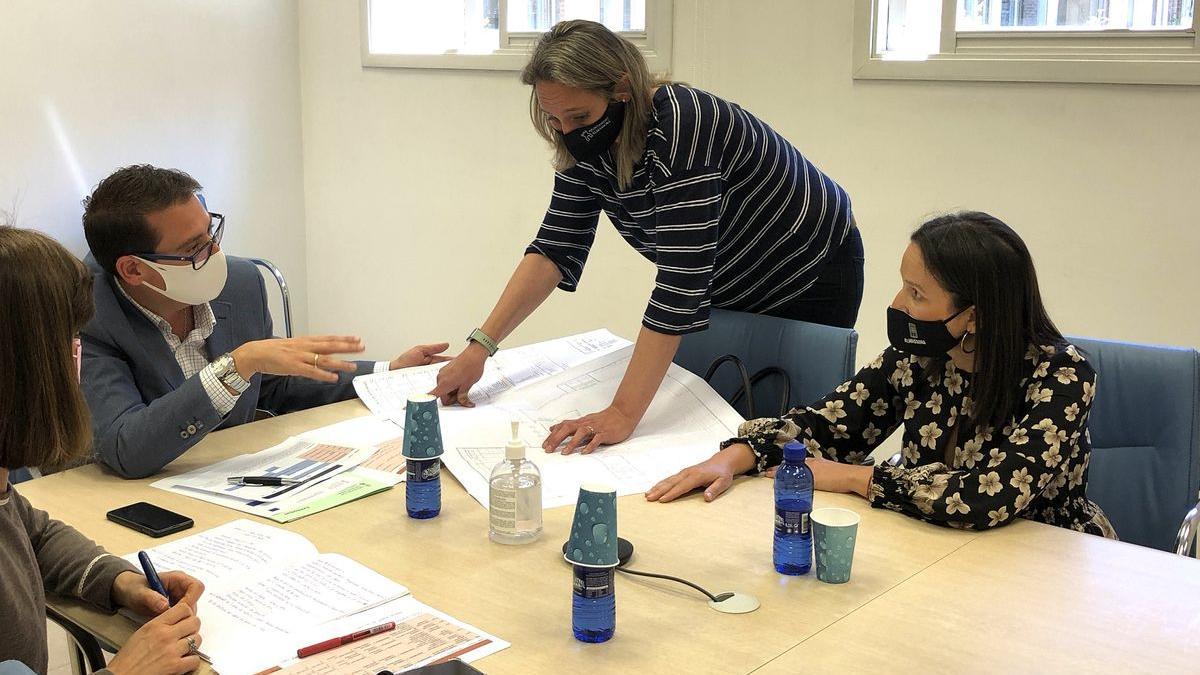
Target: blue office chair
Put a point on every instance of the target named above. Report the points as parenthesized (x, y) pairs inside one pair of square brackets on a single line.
[(815, 359), (1145, 428), (23, 474)]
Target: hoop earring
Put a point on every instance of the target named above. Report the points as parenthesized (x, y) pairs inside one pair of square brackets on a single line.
[(962, 343)]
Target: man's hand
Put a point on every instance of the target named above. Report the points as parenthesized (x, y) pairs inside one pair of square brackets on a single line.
[(304, 356), (421, 355)]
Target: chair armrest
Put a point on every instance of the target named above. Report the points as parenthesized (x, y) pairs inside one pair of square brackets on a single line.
[(89, 658), (1185, 541)]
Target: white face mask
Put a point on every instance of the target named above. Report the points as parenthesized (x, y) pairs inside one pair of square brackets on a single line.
[(189, 286)]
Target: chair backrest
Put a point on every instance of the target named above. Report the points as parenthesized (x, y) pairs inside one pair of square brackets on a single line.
[(816, 358), (285, 297), (21, 475), (1145, 429)]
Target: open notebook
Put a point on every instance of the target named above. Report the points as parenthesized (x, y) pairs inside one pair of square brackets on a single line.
[(270, 592)]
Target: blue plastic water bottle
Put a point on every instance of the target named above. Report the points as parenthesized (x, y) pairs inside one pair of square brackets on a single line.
[(423, 487), (594, 604), (793, 506)]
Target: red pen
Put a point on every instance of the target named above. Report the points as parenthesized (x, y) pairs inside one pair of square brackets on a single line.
[(344, 640)]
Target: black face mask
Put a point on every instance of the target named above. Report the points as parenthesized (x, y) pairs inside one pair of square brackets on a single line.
[(588, 143), (920, 338)]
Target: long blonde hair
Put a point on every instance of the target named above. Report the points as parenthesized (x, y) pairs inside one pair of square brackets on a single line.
[(589, 56)]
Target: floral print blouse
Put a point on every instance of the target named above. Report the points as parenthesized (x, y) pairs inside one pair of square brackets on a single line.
[(1035, 467)]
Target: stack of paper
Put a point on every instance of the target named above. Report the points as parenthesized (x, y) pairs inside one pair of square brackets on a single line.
[(546, 383), (684, 425), (386, 393), (333, 473), (269, 592)]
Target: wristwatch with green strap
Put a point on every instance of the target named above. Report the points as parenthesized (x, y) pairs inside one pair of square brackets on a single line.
[(484, 341)]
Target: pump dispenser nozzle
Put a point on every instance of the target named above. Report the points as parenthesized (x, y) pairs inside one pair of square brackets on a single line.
[(515, 448)]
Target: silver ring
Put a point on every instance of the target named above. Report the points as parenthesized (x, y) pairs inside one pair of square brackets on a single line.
[(191, 644)]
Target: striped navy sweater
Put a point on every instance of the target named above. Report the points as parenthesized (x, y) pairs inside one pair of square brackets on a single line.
[(731, 213)]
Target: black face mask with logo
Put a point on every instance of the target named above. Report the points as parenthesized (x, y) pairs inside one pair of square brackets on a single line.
[(588, 143), (920, 338)]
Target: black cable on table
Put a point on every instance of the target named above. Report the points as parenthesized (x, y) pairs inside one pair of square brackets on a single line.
[(685, 582)]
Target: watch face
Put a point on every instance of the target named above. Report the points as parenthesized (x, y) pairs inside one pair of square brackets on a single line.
[(225, 369)]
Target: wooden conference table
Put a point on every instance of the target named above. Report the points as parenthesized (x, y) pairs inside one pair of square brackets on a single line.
[(922, 598)]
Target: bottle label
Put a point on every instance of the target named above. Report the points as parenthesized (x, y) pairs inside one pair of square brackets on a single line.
[(502, 505), (593, 582), (423, 470), (791, 522)]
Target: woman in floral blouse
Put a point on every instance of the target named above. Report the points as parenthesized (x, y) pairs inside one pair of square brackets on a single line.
[(993, 401)]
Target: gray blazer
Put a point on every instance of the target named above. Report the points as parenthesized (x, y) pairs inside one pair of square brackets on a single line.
[(144, 413)]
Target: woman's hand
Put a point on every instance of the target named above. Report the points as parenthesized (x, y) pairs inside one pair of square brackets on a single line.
[(715, 475), (454, 381), (131, 590), (161, 647), (831, 476), (606, 427)]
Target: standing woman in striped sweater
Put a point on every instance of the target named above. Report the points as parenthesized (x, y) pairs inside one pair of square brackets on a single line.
[(732, 215)]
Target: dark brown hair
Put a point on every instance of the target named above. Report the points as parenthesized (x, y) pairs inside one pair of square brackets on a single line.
[(983, 262), (46, 295), (114, 217)]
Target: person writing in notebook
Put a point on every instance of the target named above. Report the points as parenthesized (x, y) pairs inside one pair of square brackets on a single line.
[(47, 296), (993, 401), (731, 214), (182, 340)]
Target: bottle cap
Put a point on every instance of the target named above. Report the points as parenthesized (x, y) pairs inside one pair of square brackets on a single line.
[(795, 452), (515, 448)]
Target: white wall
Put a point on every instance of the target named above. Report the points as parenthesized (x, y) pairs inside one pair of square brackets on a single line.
[(207, 86), (423, 187)]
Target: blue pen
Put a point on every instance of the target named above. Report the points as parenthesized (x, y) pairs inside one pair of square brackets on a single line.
[(156, 585), (152, 576)]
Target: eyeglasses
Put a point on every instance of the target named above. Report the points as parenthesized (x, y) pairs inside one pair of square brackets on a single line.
[(216, 228)]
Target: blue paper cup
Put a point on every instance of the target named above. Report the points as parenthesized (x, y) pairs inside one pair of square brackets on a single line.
[(593, 540), (422, 428), (834, 533)]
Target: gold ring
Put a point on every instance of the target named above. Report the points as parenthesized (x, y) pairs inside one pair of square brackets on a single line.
[(316, 357), (591, 430)]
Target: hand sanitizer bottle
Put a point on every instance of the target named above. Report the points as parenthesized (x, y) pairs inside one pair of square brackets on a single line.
[(515, 496)]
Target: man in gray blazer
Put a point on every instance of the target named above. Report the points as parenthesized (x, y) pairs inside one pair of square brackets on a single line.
[(181, 342)]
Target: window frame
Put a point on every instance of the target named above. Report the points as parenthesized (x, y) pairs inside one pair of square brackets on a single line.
[(654, 42), (1124, 56)]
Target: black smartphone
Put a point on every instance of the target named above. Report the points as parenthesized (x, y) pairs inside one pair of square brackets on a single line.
[(150, 519), (455, 667)]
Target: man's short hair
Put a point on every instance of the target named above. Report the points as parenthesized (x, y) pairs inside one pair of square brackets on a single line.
[(114, 216)]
